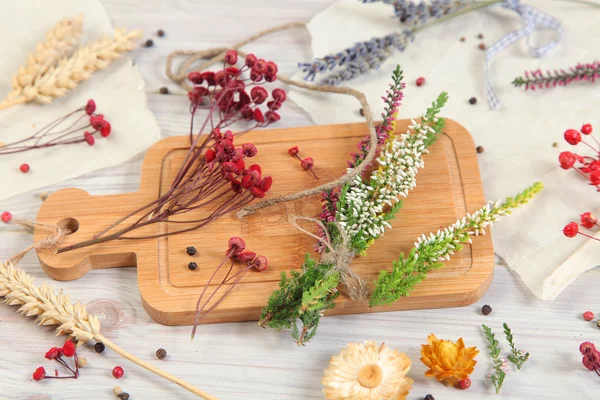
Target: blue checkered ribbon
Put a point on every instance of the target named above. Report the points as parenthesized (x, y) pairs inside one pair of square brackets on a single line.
[(533, 18)]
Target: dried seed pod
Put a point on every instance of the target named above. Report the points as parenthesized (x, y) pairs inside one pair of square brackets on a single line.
[(161, 354)]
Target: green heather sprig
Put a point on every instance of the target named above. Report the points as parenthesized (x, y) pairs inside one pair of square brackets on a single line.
[(499, 373), (516, 357), (429, 253)]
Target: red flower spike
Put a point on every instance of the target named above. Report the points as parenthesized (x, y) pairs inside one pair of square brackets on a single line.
[(249, 150), (272, 116), (53, 353), (293, 151), (118, 372), (90, 107), (571, 230), (588, 220), (228, 135), (89, 138), (105, 130), (231, 57), (464, 384), (195, 77), (260, 263), (24, 168), (587, 348), (236, 245), (258, 94), (39, 374), (274, 105), (210, 155), (258, 116), (266, 183), (567, 160), (250, 60), (6, 217), (69, 349), (209, 77), (260, 65), (279, 95), (572, 136), (307, 163), (246, 256), (586, 129)]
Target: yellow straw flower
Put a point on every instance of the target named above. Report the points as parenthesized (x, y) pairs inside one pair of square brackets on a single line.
[(448, 362), (367, 372)]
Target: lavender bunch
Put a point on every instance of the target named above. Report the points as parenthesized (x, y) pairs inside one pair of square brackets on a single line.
[(409, 12), (538, 79), (356, 60)]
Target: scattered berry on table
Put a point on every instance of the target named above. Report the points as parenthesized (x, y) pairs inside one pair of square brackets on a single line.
[(99, 347), (24, 168), (118, 372), (123, 396), (81, 361), (163, 90), (480, 36), (429, 397), (149, 43), (588, 315), (191, 250), (473, 100), (160, 33), (586, 129), (117, 390), (462, 38), (555, 144), (481, 46), (192, 266), (361, 112), (420, 81), (480, 149), (571, 230), (6, 217), (161, 354), (486, 310), (464, 384), (598, 323)]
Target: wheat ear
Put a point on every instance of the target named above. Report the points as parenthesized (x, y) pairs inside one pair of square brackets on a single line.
[(18, 289), (70, 71), (60, 42)]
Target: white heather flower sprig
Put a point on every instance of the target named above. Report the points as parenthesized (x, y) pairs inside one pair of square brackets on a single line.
[(367, 207), (429, 252)]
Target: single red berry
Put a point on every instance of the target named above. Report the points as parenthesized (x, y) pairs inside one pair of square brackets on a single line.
[(118, 372), (587, 348), (90, 107), (279, 95), (250, 60), (270, 77), (228, 135), (274, 105), (255, 75), (420, 81), (258, 115), (272, 116), (257, 192), (24, 168), (105, 130), (6, 217), (97, 121), (588, 220), (236, 245), (293, 151), (258, 94), (586, 129), (571, 229), (246, 256), (567, 160), (260, 263), (68, 348), (588, 315), (307, 163), (260, 65), (266, 183), (255, 167), (89, 138), (464, 384), (220, 78), (231, 57), (53, 353), (209, 77), (271, 68), (39, 374), (572, 136), (210, 155), (195, 77), (249, 150)]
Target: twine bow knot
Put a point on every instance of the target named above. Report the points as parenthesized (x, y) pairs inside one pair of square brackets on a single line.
[(533, 19)]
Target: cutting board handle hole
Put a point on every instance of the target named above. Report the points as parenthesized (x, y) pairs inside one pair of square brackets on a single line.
[(71, 225)]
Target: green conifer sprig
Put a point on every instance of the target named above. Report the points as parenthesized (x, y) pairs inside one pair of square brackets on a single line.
[(516, 356), (498, 375)]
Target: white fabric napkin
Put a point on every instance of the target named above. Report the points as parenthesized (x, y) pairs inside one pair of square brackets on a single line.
[(118, 92), (517, 138)]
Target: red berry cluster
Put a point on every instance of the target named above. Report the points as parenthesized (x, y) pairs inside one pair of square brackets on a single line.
[(591, 356), (236, 252), (56, 353), (238, 97), (307, 163), (586, 166), (228, 160)]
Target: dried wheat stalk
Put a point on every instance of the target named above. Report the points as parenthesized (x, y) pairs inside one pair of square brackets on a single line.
[(18, 289), (60, 42), (57, 80)]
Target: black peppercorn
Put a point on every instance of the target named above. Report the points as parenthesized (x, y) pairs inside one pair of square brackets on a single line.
[(472, 100), (124, 396), (429, 397), (149, 43), (555, 144), (160, 33), (192, 266), (462, 38), (161, 354), (480, 36), (486, 310), (99, 347), (190, 250), (361, 112), (403, 19), (164, 90), (479, 149)]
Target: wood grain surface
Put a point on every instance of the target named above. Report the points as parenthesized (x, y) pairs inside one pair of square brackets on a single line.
[(239, 360), (449, 186)]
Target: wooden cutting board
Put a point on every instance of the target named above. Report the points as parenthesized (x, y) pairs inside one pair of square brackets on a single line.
[(447, 188)]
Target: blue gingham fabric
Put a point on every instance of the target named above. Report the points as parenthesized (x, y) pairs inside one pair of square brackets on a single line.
[(533, 18)]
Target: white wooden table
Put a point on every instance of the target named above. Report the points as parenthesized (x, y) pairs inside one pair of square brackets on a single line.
[(240, 360)]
